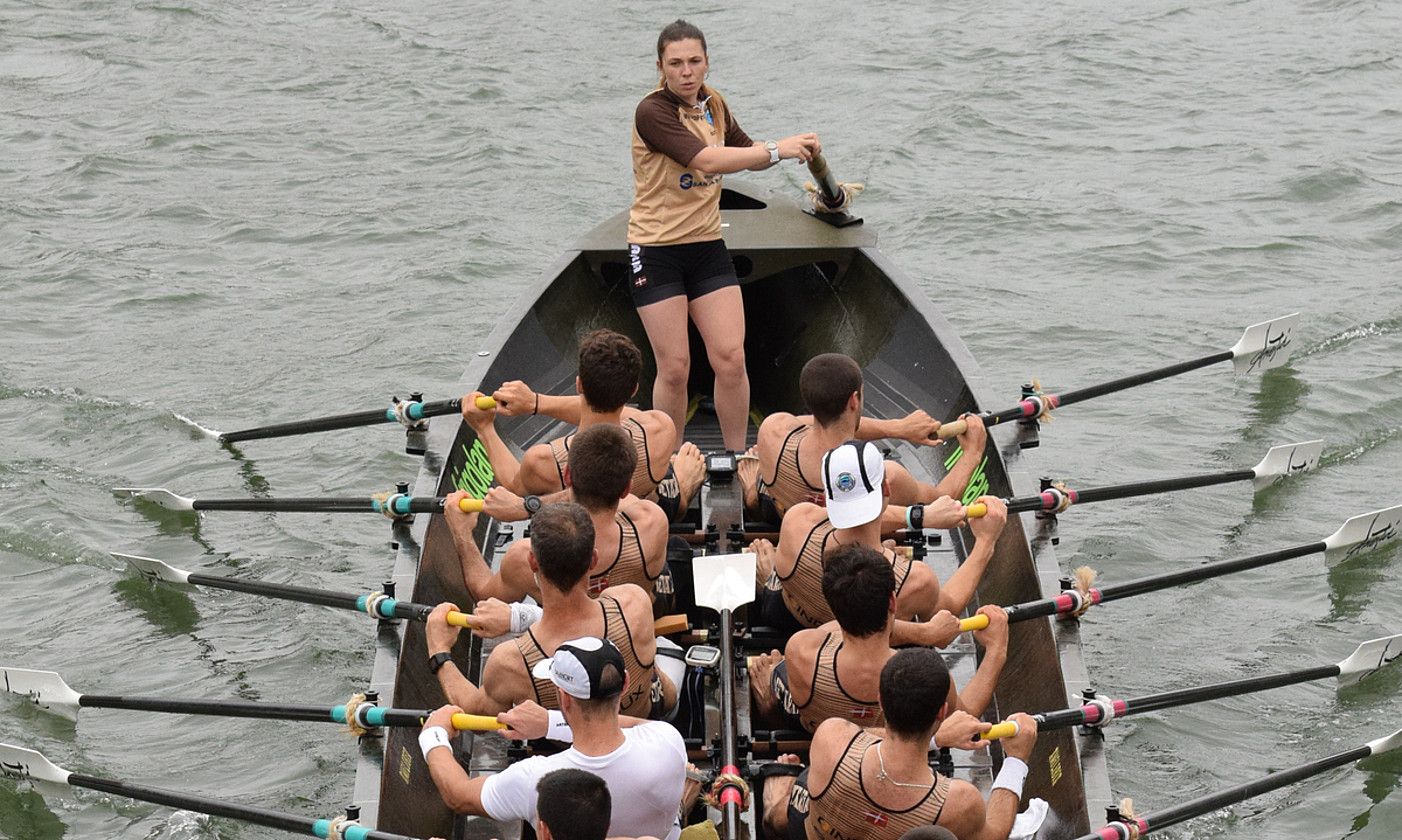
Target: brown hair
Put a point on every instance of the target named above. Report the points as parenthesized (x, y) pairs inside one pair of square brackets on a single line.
[(609, 366), (858, 582), (678, 30), (601, 461), (827, 381), (914, 685), (562, 540)]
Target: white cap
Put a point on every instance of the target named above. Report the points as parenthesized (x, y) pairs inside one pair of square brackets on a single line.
[(852, 476), (588, 668)]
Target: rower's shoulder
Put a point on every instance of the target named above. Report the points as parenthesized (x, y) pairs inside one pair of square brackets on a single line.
[(803, 646), (800, 519), (539, 471), (633, 600), (654, 422), (643, 513), (504, 674), (964, 811), (781, 424), (829, 740)]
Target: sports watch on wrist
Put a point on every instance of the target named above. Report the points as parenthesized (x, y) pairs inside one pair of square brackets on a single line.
[(438, 660), (773, 150), (532, 504)]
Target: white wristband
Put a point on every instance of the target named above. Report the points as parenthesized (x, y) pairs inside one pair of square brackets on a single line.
[(558, 729), (523, 616), (1011, 777), (432, 738)]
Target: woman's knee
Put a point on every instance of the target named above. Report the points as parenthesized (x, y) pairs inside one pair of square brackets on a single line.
[(727, 361), (673, 368)]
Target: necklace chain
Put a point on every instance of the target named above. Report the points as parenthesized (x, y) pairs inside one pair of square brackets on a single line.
[(882, 776)]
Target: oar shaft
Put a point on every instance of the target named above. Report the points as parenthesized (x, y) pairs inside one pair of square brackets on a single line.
[(220, 708), (1100, 390), (417, 411), (291, 505), (1153, 583), (305, 595), (730, 795), (219, 808), (1230, 796), (1050, 500)]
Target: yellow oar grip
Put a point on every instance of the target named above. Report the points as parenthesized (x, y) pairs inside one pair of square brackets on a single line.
[(486, 403), (459, 619), (476, 723), (1006, 729), (977, 510), (951, 429), (973, 622), (470, 505)]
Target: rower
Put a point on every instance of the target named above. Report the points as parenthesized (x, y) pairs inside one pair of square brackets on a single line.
[(835, 670), (855, 490), (630, 534), (642, 762), (879, 786), (609, 367), (572, 804), (560, 552), (790, 447)]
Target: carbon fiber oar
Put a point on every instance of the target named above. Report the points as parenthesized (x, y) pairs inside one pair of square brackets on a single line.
[(1157, 820), (1359, 534), (1369, 658), (389, 504), (28, 765), (1261, 347), (406, 412), (47, 690)]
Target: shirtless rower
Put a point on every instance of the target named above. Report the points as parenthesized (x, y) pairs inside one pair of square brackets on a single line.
[(630, 534), (609, 367), (835, 670), (790, 448), (878, 786), (855, 491), (561, 553)]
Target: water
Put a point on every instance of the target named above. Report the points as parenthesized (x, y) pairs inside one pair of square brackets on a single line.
[(243, 212)]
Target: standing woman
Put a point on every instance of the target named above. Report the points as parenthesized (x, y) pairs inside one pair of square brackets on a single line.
[(684, 140)]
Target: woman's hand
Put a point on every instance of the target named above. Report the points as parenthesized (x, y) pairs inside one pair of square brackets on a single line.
[(801, 146)]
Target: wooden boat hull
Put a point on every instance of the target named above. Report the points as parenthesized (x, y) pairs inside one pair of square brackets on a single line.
[(809, 288)]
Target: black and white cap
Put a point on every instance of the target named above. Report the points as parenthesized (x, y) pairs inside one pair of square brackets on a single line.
[(587, 668), (852, 476)]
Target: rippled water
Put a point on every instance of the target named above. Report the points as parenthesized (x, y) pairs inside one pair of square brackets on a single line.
[(248, 211)]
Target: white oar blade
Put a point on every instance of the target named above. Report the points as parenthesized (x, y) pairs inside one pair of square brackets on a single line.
[(1363, 533), (23, 764), (1371, 656), (1264, 345), (724, 581), (1281, 462), (45, 689), (153, 569), (158, 495), (1391, 742)]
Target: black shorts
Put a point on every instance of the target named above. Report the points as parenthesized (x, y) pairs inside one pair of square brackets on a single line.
[(659, 272), (774, 613), (798, 807)]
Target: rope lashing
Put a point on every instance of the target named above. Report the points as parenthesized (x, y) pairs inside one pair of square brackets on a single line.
[(849, 192), (352, 723), (1062, 497), (373, 602), (387, 503), (1127, 816), (401, 413), (1107, 710), (1085, 579), (1043, 402), (723, 781), (336, 831)]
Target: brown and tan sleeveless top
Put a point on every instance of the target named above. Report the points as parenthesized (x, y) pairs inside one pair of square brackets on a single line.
[(790, 485), (629, 565), (828, 699), (802, 590), (643, 681), (844, 810), (643, 482)]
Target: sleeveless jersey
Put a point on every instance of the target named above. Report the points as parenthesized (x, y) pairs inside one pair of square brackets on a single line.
[(790, 485), (827, 698), (843, 809), (644, 695), (802, 590), (643, 483), (629, 565)]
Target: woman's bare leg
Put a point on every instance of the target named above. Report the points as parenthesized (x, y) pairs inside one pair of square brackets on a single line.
[(665, 323), (720, 318)]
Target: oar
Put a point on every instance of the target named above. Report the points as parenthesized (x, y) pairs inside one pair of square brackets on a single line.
[(374, 604), (391, 505), (1120, 830), (48, 691), (407, 412), (726, 582), (1262, 347), (20, 763), (1359, 534), (1280, 463), (1369, 658)]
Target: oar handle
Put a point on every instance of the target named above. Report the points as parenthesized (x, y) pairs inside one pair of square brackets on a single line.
[(977, 510), (952, 429), (471, 505), (973, 622), (459, 619), (486, 403), (1006, 729), (476, 723)]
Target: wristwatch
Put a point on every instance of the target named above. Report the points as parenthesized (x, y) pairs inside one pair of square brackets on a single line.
[(438, 660), (773, 150), (916, 517), (532, 504)]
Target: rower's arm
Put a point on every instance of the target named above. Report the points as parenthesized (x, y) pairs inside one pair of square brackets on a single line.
[(459, 791), (505, 468), (507, 585), (956, 592), (725, 160), (969, 818), (567, 409), (971, 444)]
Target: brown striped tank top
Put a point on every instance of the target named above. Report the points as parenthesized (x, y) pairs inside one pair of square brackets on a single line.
[(643, 482), (644, 695), (828, 699), (802, 590), (629, 565), (790, 485), (844, 810)]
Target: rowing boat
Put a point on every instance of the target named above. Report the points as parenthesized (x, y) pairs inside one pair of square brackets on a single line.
[(810, 287)]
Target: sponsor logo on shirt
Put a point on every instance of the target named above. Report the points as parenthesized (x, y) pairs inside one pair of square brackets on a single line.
[(687, 181)]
